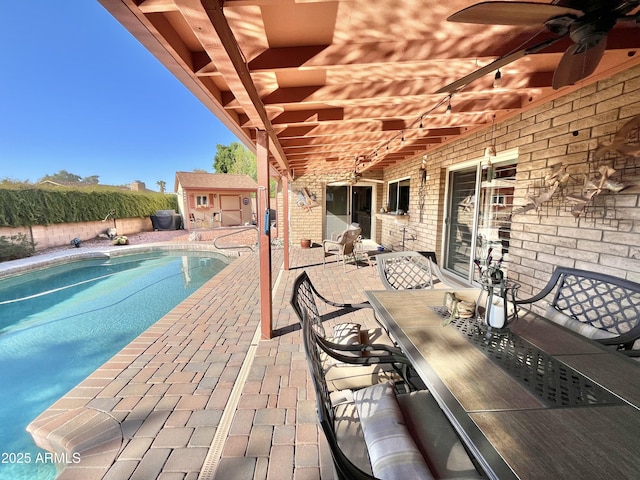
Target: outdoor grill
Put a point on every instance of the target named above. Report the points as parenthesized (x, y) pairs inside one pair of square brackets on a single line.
[(166, 220)]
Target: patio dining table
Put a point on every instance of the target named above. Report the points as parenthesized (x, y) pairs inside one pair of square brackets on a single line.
[(534, 402)]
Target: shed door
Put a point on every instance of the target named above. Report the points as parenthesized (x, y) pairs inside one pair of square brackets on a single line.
[(230, 210)]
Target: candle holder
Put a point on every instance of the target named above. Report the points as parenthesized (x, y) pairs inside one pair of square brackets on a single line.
[(496, 304)]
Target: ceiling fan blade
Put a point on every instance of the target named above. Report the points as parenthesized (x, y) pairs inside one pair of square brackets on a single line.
[(511, 13), (578, 62), (496, 64)]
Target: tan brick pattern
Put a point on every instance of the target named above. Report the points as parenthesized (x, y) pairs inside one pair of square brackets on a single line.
[(565, 130), (167, 390)]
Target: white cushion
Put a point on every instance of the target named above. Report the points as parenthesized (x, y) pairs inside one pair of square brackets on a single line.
[(342, 376), (349, 435), (346, 333), (435, 437), (392, 450), (577, 326)]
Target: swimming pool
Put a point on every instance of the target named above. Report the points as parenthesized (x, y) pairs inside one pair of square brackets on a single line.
[(59, 324)]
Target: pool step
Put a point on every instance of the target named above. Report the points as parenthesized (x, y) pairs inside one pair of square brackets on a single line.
[(83, 436)]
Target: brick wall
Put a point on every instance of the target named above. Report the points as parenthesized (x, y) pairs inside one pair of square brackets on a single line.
[(566, 130), (310, 224), (47, 236)]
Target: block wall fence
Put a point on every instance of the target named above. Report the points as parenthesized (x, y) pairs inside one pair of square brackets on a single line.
[(56, 235), (565, 131)]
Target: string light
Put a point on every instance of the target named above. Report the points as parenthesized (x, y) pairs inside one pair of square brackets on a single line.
[(419, 121), (497, 80)]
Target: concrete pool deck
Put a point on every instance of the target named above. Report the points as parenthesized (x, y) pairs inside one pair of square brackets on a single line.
[(199, 395)]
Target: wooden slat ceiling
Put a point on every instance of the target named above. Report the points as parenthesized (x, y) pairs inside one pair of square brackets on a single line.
[(336, 81)]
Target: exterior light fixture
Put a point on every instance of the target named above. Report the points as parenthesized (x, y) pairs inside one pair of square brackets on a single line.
[(490, 151), (423, 170)]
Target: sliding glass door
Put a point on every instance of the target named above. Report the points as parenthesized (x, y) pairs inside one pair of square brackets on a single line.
[(479, 206), (346, 204), (461, 221)]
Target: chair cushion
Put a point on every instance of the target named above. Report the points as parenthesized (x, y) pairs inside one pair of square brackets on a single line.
[(435, 437), (340, 376), (370, 336), (577, 326), (391, 448), (349, 430), (346, 333)]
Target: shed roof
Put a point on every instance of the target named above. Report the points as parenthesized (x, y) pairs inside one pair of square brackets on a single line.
[(214, 181)]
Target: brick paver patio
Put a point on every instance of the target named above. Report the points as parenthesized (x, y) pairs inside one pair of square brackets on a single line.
[(199, 395)]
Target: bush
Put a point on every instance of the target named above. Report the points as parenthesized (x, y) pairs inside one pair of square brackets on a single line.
[(15, 247), (39, 206)]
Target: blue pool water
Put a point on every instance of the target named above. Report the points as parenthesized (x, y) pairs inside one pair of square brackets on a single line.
[(60, 324)]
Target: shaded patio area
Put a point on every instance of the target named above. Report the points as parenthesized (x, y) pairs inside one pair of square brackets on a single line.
[(199, 395)]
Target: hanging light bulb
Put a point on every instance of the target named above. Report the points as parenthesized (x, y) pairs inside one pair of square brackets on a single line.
[(421, 126), (497, 80), (448, 112)]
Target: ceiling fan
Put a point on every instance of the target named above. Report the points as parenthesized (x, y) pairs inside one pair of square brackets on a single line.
[(356, 175), (586, 22)]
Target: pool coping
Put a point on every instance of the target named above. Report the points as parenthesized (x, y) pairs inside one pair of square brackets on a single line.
[(28, 264)]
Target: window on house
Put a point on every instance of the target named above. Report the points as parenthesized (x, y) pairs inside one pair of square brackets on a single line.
[(202, 201), (399, 195)]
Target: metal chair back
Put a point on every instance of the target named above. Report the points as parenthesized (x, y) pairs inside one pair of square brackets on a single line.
[(345, 469), (405, 270)]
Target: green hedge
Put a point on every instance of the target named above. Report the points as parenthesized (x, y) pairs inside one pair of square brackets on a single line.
[(26, 207)]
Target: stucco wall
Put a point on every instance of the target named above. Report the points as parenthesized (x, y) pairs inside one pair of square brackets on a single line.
[(566, 130), (47, 236)]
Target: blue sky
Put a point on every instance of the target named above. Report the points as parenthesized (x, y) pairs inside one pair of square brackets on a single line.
[(79, 93)]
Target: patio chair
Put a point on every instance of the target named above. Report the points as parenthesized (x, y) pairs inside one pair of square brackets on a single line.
[(409, 270), (376, 430), (344, 245), (354, 357)]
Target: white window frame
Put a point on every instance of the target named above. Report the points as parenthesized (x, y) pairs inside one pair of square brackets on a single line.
[(506, 156), (397, 181), (202, 201)]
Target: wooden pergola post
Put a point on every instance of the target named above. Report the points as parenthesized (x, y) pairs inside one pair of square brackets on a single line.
[(285, 220), (264, 235)]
